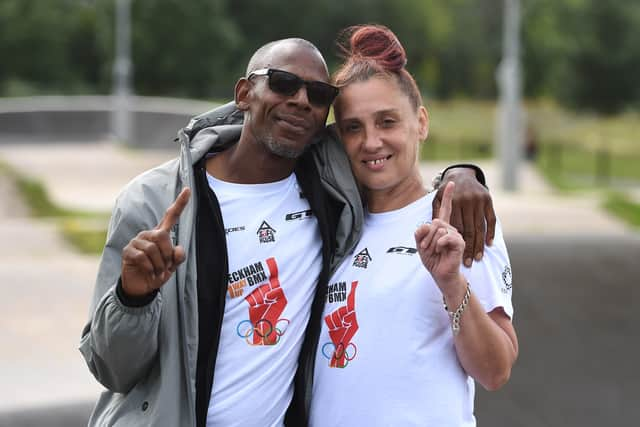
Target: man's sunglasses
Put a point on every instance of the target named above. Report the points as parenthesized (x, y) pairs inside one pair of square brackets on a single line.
[(284, 83)]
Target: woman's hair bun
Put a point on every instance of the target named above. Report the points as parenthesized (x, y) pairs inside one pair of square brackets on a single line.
[(376, 43), (370, 51)]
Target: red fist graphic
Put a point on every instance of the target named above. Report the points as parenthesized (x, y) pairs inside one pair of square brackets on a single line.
[(343, 325), (266, 304)]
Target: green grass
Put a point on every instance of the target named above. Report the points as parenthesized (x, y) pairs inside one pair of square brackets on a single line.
[(574, 167), (461, 120), (455, 150), (472, 123), (85, 230), (37, 199), (459, 130), (586, 151), (621, 206), (619, 133), (33, 194), (86, 236)]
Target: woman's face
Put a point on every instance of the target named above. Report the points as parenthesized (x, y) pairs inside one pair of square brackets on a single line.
[(381, 132)]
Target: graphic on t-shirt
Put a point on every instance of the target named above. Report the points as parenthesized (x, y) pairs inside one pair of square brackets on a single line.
[(234, 229), (402, 250), (249, 275), (266, 304), (507, 278), (362, 259), (266, 233), (306, 214), (343, 325), (336, 292)]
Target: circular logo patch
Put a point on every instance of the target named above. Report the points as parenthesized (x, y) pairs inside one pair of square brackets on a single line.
[(506, 277)]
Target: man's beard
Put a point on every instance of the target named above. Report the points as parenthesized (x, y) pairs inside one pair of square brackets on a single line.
[(283, 150)]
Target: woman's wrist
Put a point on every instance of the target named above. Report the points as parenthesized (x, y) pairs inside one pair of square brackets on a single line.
[(453, 294), (456, 313)]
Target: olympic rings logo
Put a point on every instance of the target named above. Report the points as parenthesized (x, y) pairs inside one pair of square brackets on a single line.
[(340, 355), (264, 329)]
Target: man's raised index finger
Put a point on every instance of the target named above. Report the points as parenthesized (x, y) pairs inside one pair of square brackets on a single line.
[(174, 211)]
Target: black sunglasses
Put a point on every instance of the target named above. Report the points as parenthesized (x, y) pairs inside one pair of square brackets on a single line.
[(285, 83)]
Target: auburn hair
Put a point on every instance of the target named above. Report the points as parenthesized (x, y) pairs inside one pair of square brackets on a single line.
[(374, 50)]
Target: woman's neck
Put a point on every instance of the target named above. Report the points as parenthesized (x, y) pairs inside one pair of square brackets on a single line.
[(401, 195)]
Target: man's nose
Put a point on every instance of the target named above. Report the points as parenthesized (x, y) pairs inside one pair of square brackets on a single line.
[(301, 97)]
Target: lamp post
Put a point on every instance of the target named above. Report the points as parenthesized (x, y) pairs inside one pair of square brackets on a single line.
[(510, 112), (121, 115)]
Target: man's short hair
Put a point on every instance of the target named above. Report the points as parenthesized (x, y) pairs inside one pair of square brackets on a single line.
[(261, 56)]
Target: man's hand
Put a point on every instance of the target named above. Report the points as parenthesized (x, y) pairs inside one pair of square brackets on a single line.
[(472, 211), (150, 258)]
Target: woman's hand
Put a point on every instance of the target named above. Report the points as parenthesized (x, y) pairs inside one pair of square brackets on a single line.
[(441, 247)]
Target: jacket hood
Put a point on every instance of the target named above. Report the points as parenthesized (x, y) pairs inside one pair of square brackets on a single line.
[(219, 138)]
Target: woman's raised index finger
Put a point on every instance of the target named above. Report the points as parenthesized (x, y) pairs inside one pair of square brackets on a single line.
[(174, 211), (445, 207)]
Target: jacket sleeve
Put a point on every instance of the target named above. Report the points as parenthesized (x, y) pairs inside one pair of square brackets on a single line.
[(119, 342), (337, 179), (437, 180)]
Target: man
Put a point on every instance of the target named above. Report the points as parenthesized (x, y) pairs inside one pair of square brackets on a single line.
[(199, 315)]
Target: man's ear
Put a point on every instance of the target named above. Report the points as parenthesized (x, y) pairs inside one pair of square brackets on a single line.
[(423, 123), (242, 92)]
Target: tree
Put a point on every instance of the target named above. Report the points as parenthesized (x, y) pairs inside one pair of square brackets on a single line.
[(605, 59), (585, 53), (33, 41), (181, 48)]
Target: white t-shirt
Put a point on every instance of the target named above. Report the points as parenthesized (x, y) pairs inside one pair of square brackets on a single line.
[(274, 248), (386, 354)]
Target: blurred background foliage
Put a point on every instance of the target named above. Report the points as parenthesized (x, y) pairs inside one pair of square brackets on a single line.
[(585, 54)]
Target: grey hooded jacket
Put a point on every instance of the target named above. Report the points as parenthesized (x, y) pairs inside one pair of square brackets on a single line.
[(146, 356)]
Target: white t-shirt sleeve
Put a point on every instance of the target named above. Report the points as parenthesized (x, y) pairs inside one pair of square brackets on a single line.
[(491, 278)]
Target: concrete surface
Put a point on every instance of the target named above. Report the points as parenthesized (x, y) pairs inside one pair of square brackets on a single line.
[(83, 176), (50, 119), (69, 415), (46, 288), (575, 287), (576, 300)]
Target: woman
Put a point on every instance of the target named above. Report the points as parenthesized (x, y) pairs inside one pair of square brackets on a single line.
[(406, 328)]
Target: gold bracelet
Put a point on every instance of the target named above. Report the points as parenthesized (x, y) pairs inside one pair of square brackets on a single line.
[(456, 315)]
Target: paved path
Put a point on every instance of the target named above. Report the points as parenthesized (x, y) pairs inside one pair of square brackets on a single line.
[(47, 286), (576, 300), (84, 176), (574, 297)]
